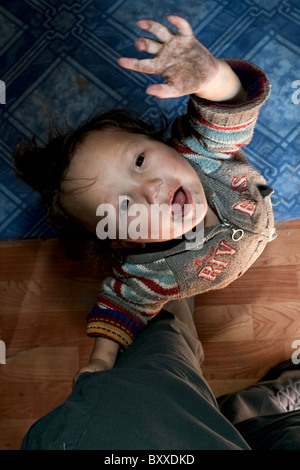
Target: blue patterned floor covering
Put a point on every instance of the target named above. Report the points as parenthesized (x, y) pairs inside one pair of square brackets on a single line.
[(63, 53)]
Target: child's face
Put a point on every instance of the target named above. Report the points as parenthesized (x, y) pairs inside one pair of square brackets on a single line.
[(133, 173)]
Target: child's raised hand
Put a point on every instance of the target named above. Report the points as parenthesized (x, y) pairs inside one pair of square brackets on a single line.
[(185, 64)]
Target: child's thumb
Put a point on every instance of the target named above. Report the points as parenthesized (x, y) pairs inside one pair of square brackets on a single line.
[(162, 91)]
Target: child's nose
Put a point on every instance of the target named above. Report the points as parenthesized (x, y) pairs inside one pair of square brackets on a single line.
[(151, 190)]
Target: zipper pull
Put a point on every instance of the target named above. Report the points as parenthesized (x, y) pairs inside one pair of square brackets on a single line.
[(237, 234)]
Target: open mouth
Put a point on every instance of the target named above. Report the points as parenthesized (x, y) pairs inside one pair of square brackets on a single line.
[(181, 202)]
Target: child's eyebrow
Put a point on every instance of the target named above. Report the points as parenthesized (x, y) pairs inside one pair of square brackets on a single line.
[(133, 144), (127, 150)]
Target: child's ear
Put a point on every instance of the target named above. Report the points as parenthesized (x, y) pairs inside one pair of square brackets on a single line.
[(124, 244)]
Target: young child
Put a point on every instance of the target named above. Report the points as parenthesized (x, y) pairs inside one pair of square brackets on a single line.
[(116, 161)]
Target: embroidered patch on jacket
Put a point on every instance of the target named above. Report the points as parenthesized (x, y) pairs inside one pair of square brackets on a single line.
[(239, 184), (246, 207), (215, 262)]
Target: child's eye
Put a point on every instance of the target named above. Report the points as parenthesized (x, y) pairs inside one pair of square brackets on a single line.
[(124, 206), (140, 160)]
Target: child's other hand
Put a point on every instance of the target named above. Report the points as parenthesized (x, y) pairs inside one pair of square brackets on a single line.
[(95, 365), (185, 64)]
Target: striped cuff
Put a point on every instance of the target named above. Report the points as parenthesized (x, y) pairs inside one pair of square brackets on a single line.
[(120, 327), (258, 88)]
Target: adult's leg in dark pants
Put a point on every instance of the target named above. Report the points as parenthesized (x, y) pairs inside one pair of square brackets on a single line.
[(154, 398)]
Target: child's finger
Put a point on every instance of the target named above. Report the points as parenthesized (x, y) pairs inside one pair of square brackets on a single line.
[(138, 65), (182, 25), (159, 30), (148, 45)]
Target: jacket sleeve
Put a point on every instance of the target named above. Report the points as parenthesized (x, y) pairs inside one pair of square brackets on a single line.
[(129, 299), (211, 132)]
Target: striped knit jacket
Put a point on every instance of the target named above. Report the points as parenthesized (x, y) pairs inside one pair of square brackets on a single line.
[(210, 135)]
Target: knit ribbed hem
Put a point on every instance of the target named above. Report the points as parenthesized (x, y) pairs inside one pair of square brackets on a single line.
[(255, 83), (110, 331), (109, 320)]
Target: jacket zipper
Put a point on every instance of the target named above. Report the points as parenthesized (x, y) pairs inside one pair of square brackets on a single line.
[(236, 233)]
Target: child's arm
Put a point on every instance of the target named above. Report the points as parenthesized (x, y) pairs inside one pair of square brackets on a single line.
[(103, 356), (188, 68), (185, 64), (225, 95)]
